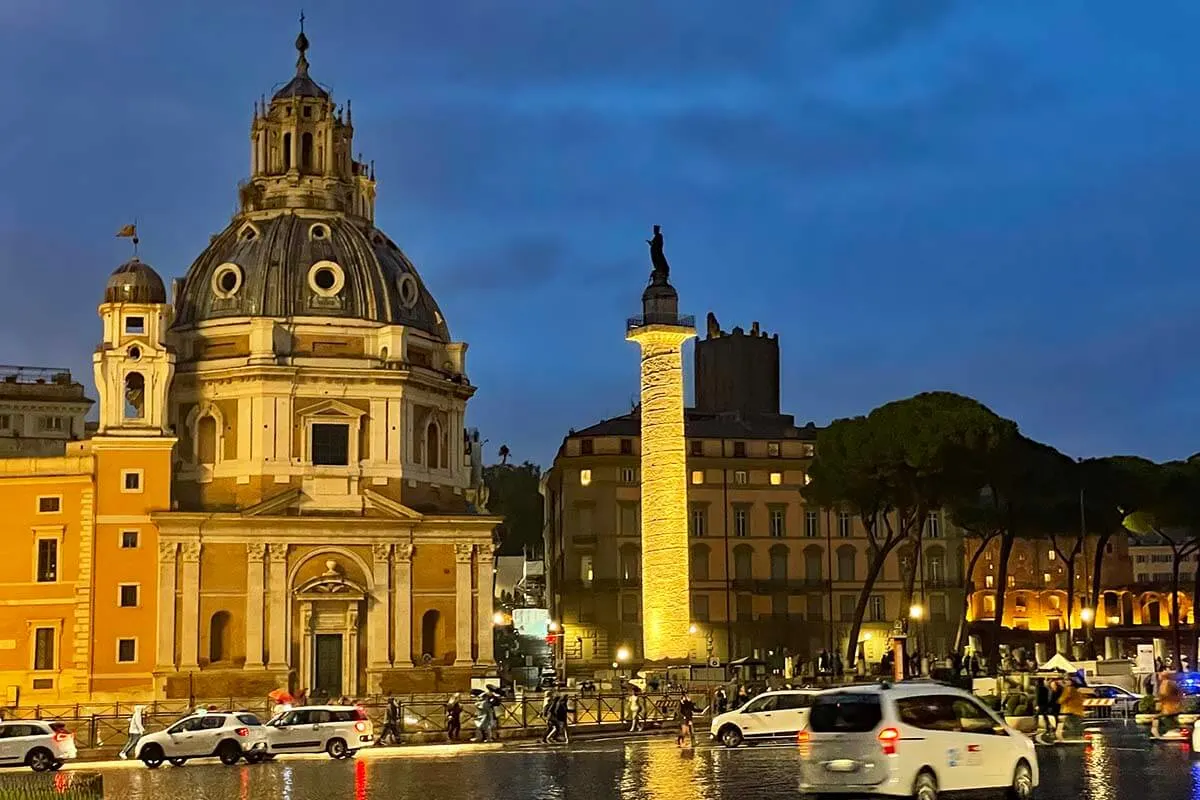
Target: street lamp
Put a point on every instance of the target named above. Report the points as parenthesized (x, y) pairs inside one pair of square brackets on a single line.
[(692, 629), (1087, 615), (553, 626), (623, 654), (498, 618), (916, 612)]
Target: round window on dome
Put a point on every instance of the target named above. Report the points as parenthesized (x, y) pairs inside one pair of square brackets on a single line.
[(407, 285), (318, 231), (135, 353), (227, 280), (326, 278)]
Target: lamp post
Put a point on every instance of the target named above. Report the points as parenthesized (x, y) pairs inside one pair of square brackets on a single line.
[(915, 613)]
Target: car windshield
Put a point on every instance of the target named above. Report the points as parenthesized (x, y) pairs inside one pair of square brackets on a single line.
[(249, 719), (845, 712)]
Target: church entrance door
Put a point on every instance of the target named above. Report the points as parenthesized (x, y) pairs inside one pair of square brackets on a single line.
[(327, 664)]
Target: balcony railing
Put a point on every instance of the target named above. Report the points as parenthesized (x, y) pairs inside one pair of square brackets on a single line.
[(678, 320)]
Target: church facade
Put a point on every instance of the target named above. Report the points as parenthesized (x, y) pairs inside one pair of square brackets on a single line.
[(280, 492)]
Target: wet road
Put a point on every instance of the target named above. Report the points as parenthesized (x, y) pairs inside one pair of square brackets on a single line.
[(1120, 764)]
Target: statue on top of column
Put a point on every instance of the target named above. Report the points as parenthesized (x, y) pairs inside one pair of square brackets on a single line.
[(662, 270)]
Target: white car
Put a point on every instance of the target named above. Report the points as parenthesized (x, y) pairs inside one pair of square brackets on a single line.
[(228, 735), (336, 730), (1124, 701), (38, 745), (770, 715), (912, 740)]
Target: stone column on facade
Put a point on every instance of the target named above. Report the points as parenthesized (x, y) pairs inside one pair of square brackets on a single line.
[(484, 579), (255, 607), (402, 605), (189, 556), (462, 605), (377, 616), (277, 650), (165, 656)]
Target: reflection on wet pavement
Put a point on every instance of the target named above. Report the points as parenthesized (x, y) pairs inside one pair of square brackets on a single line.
[(1121, 764)]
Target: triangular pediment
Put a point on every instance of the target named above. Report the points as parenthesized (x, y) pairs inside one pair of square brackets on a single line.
[(274, 505), (390, 507), (332, 408)]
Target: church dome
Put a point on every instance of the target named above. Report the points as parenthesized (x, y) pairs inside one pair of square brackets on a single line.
[(135, 282), (293, 265)]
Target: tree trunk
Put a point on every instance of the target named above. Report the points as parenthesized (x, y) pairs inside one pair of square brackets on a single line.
[(906, 597), (1097, 566), (968, 590), (1194, 645), (864, 594), (1174, 608), (1070, 604), (993, 645)]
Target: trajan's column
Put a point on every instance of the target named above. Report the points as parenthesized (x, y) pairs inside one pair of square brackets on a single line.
[(661, 332)]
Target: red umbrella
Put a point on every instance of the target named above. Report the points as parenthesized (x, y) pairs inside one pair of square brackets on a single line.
[(280, 696)]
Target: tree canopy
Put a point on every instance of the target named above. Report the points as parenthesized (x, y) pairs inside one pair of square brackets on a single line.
[(514, 495)]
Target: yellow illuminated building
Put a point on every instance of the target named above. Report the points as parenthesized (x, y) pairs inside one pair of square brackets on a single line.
[(660, 333), (280, 491)]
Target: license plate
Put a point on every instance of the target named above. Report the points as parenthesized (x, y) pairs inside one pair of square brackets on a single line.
[(842, 765)]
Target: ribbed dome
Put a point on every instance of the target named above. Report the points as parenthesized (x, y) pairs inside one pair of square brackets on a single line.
[(135, 282), (302, 266)]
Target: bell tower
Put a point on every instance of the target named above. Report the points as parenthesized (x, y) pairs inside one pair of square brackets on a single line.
[(133, 365)]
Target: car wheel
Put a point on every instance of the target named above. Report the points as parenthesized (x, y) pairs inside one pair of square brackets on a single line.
[(152, 756), (925, 787), (229, 753), (253, 758), (336, 748), (56, 765), (730, 736), (40, 759), (1022, 785), (176, 762)]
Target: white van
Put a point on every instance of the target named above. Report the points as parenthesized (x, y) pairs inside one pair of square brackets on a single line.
[(912, 740), (339, 731), (770, 715)]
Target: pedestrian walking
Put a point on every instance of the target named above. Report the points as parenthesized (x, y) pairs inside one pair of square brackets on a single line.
[(453, 718), (483, 713), (560, 718), (549, 704), (137, 728), (1045, 706), (391, 723), (636, 712), (687, 710), (721, 700)]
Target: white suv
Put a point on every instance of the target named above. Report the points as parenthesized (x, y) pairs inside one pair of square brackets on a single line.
[(38, 745), (230, 736), (336, 730), (770, 715), (912, 740)]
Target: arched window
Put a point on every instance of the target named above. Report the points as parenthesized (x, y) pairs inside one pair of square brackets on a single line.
[(306, 151), (206, 440), (287, 151), (219, 638), (779, 563), (429, 634), (631, 568), (700, 554), (135, 396), (743, 563), (846, 557), (433, 440), (814, 569)]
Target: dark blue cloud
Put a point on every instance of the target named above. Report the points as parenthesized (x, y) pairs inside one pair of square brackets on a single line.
[(993, 198)]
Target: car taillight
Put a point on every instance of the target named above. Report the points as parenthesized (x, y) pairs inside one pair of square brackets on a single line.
[(803, 743), (62, 736), (242, 731), (361, 727), (360, 712), (888, 738)]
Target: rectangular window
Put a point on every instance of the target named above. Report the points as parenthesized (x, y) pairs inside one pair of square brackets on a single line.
[(845, 526), (126, 651), (135, 325), (628, 475), (741, 521), (778, 523), (773, 449), (330, 444), (779, 606), (875, 608), (49, 505), (989, 581), (739, 449), (127, 595), (50, 424), (697, 448), (629, 608), (933, 525), (129, 540), (626, 447), (700, 607), (5, 421), (131, 480), (741, 477), (587, 447), (745, 607), (699, 520), (43, 648), (585, 477), (776, 478), (812, 524), (629, 519), (807, 450), (846, 603), (585, 570), (1051, 555), (47, 560), (697, 477), (815, 608)]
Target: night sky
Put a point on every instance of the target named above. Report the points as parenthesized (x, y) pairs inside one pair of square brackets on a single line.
[(993, 198)]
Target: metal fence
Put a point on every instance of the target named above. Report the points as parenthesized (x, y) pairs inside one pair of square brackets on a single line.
[(106, 726)]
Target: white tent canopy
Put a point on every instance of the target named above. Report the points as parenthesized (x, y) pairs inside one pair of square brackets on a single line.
[(1058, 663)]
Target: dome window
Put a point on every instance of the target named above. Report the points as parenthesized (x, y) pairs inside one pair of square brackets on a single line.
[(326, 278), (227, 280), (407, 285), (135, 353), (248, 232), (318, 231)]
